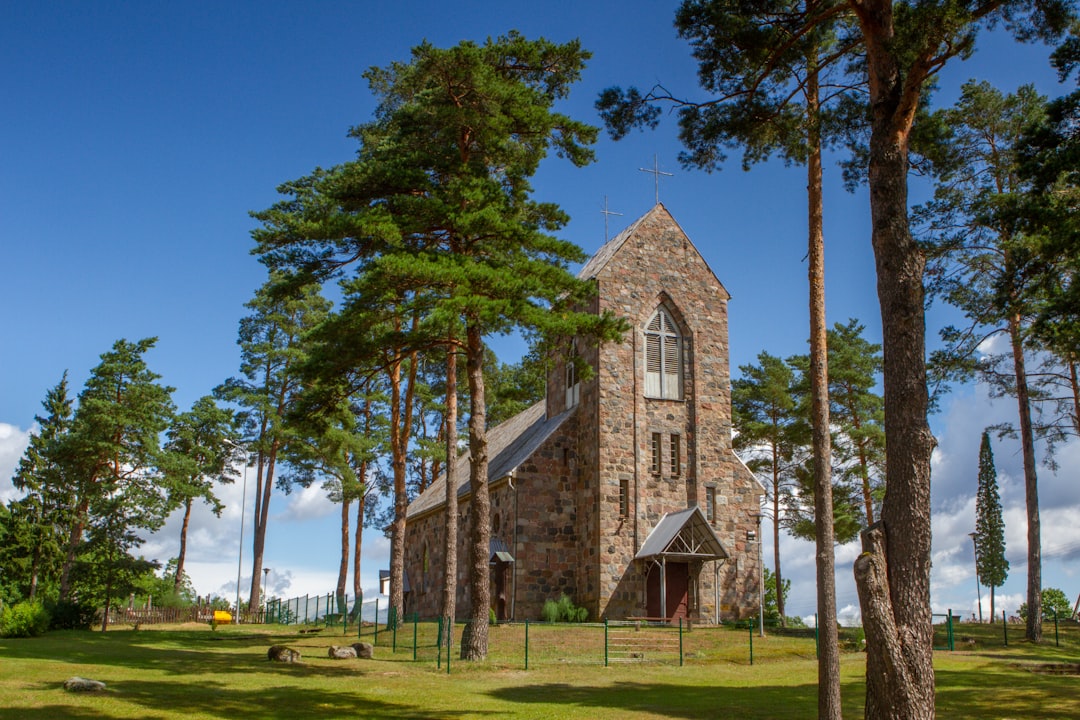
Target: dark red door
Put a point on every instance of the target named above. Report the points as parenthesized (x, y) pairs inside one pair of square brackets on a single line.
[(677, 591)]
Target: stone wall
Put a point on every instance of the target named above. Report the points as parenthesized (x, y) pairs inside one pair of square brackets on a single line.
[(655, 266), (560, 515)]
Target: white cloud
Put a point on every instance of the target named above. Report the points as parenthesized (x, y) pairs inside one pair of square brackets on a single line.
[(310, 503), (13, 443)]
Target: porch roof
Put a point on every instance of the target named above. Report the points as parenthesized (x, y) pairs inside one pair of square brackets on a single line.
[(683, 535)]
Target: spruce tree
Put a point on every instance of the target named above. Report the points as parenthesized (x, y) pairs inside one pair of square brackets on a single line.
[(990, 561)]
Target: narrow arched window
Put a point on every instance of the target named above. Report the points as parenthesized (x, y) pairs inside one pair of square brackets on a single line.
[(573, 385), (663, 357)]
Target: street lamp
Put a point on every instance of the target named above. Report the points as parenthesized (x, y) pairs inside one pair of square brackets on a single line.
[(243, 507), (751, 535), (978, 590)]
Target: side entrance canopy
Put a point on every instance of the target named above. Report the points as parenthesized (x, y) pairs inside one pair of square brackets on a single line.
[(685, 536), (681, 538)]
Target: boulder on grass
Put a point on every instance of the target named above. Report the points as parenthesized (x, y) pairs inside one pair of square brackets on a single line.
[(342, 652), (78, 684), (280, 653), (364, 651)]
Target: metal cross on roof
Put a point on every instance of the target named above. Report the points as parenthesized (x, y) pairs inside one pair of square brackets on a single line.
[(656, 173), (605, 212)]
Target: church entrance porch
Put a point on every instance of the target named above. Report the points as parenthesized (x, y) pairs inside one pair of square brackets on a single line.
[(675, 577), (672, 557)]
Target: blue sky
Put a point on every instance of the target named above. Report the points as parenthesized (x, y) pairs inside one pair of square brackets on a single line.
[(138, 136)]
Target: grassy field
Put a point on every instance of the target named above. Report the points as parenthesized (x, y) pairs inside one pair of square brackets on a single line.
[(192, 672)]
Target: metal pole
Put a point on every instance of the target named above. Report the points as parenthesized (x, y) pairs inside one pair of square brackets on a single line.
[(1005, 628), (438, 644), (680, 644), (240, 552), (761, 582), (978, 589), (605, 639), (751, 641), (527, 643)]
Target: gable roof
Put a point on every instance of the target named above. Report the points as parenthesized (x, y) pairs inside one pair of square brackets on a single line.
[(607, 251), (510, 443), (684, 535)]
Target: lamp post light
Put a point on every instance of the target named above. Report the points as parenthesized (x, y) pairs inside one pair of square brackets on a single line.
[(243, 507), (978, 590)]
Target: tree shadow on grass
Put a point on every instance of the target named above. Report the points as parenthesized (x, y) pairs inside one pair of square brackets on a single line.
[(170, 699), (183, 654), (673, 700), (976, 694)]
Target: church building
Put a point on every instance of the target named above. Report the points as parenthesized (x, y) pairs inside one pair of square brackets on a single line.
[(621, 491)]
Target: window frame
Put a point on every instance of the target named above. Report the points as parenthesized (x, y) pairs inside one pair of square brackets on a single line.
[(664, 361)]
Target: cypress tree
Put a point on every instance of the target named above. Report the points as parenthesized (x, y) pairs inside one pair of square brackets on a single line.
[(990, 563)]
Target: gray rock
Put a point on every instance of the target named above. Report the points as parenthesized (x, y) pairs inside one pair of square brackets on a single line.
[(364, 651), (78, 684), (280, 653), (341, 652)]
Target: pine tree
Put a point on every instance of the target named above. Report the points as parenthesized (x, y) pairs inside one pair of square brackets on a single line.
[(435, 218), (115, 440), (272, 349), (772, 430), (201, 447), (990, 562), (984, 264)]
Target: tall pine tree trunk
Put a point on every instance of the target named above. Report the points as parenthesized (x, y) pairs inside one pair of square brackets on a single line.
[(1031, 485), (828, 643), (398, 452), (450, 540), (343, 564), (264, 484), (358, 546), (178, 581), (893, 572), (74, 540), (474, 640)]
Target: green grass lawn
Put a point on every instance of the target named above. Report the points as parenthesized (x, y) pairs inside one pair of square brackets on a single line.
[(193, 672)]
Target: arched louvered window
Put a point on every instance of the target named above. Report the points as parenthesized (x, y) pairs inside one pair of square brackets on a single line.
[(663, 357)]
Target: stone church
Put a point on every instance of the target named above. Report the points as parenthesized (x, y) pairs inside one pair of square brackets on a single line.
[(621, 491)]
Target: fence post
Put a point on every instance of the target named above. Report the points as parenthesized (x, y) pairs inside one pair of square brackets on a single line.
[(415, 625), (449, 644), (527, 644), (376, 622), (395, 631), (438, 644), (751, 641), (949, 633), (605, 642), (1005, 628), (817, 630), (680, 644)]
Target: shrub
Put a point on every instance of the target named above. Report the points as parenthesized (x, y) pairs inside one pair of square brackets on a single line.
[(25, 619), (1052, 599), (70, 615), (550, 611), (563, 610)]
